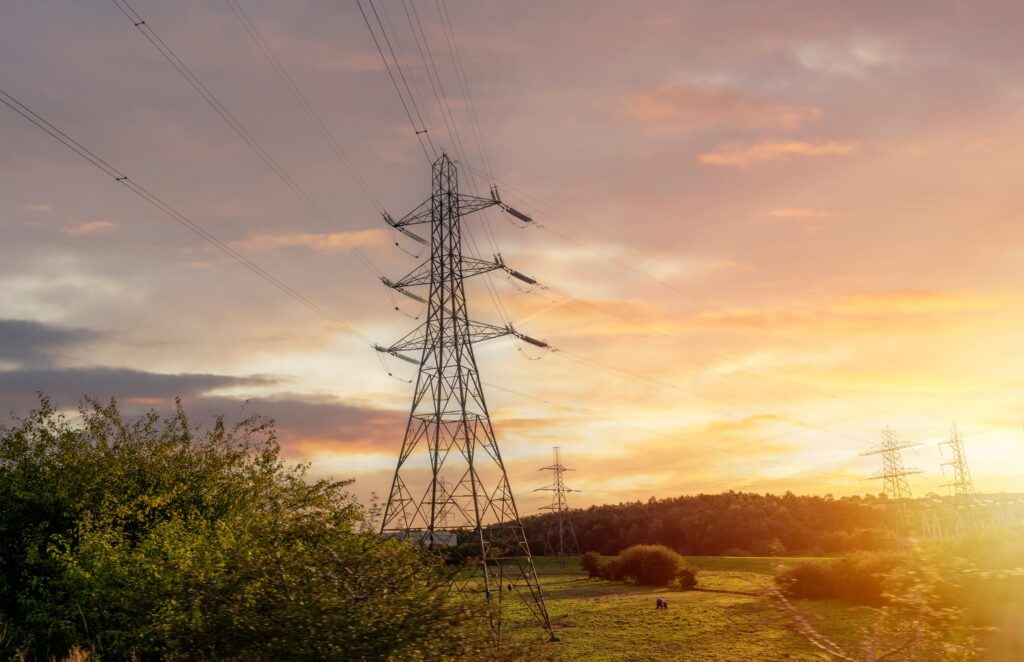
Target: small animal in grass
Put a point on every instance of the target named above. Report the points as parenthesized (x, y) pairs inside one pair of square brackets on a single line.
[(661, 603)]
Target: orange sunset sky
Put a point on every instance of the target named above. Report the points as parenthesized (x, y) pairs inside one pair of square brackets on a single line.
[(768, 230)]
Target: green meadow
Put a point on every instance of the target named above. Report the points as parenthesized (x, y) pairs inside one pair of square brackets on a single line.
[(726, 618)]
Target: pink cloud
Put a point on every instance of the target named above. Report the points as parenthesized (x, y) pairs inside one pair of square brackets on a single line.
[(327, 242), (42, 208), (681, 107), (91, 227), (799, 212), (739, 155)]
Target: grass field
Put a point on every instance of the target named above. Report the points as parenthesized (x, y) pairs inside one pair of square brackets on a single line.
[(725, 620)]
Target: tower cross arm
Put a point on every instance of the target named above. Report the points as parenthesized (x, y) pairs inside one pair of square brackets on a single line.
[(417, 216), (418, 276), (421, 338), (471, 203), (471, 266), (887, 474)]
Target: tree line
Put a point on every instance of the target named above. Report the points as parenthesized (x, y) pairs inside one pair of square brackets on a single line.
[(731, 524)]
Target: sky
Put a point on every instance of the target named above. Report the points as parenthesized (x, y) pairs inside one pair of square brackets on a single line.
[(765, 231)]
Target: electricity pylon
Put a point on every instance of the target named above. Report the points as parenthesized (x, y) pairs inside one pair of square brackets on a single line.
[(560, 527), (962, 487), (895, 485), (450, 425)]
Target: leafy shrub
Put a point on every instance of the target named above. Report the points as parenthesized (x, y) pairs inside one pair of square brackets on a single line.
[(686, 579), (859, 578), (654, 565), (593, 563), (807, 579), (736, 551), (151, 539)]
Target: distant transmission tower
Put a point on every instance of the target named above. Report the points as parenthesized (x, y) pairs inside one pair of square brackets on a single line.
[(450, 425), (895, 485), (560, 537), (962, 487)]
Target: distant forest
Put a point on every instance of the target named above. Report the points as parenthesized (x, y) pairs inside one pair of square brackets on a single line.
[(730, 524)]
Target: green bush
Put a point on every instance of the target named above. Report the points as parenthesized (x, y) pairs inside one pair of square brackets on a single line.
[(807, 579), (686, 579), (593, 563), (859, 577), (151, 539), (653, 565)]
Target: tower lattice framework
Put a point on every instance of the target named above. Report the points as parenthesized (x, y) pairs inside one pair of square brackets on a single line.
[(450, 489), (560, 537), (961, 487), (893, 475)]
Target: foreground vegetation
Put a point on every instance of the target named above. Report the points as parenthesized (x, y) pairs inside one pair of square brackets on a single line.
[(152, 539)]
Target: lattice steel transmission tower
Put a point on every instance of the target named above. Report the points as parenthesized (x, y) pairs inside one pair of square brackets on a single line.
[(895, 485), (560, 537), (962, 487), (450, 490)]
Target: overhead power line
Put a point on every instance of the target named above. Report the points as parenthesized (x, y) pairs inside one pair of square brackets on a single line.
[(430, 67), (437, 86), (301, 99), (453, 50), (136, 188), (176, 62), (419, 129)]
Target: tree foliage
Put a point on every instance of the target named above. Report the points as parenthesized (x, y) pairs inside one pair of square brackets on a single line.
[(713, 524), (150, 538)]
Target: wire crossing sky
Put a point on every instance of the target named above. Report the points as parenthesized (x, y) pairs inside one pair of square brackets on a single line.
[(761, 241)]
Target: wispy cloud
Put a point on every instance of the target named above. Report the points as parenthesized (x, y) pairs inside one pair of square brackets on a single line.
[(738, 155), (41, 208), (681, 107), (197, 264), (853, 59), (90, 227), (799, 212), (918, 302), (326, 243)]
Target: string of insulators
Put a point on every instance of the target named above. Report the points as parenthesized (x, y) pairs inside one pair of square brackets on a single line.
[(412, 235), (385, 350), (506, 208), (532, 341), (512, 272), (389, 283), (515, 274), (518, 214)]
